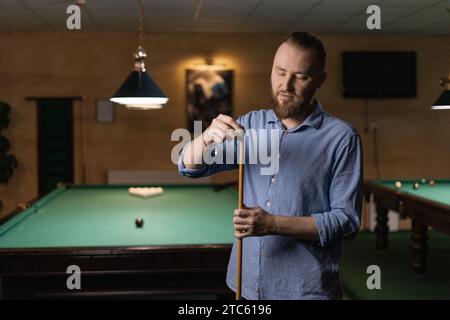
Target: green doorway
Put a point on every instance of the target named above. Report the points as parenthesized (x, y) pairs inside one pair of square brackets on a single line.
[(55, 142)]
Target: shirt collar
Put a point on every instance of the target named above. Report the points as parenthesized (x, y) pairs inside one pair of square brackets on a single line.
[(313, 120)]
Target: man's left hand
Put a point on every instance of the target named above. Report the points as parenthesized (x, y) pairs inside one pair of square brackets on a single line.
[(252, 222)]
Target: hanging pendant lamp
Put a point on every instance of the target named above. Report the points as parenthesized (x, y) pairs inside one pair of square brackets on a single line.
[(443, 101), (139, 91)]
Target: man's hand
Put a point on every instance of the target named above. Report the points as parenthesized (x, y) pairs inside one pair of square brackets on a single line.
[(221, 127), (252, 222)]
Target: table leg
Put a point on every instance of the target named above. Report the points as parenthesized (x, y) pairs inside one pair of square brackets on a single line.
[(419, 248), (382, 230)]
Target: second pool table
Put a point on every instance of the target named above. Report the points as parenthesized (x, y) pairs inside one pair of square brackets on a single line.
[(183, 246), (427, 206)]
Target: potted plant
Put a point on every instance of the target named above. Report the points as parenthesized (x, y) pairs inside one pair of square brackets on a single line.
[(8, 162)]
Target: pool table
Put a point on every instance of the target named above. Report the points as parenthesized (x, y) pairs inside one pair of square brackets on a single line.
[(182, 248), (427, 206)]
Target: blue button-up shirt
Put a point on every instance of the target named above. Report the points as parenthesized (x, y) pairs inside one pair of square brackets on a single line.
[(319, 174)]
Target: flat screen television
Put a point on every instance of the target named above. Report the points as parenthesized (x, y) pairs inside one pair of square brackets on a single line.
[(379, 74)]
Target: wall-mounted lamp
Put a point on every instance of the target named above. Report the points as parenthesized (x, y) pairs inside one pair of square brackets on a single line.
[(210, 65)]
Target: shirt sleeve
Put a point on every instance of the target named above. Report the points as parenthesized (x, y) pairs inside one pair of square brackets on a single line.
[(225, 159), (343, 220)]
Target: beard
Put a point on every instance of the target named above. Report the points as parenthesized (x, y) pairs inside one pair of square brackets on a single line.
[(288, 109)]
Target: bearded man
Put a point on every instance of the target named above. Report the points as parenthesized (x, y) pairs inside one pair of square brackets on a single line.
[(296, 219)]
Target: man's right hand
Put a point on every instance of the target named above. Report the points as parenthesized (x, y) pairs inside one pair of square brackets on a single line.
[(221, 128)]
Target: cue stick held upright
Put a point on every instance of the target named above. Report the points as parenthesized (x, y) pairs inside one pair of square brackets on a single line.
[(240, 206)]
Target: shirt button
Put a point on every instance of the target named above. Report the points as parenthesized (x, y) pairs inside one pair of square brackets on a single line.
[(273, 179), (268, 204)]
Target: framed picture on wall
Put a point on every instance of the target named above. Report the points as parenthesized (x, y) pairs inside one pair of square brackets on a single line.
[(209, 93), (104, 111)]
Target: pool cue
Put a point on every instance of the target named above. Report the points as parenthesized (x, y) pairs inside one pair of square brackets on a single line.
[(240, 206)]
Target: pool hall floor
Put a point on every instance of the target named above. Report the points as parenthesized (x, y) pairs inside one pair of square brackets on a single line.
[(397, 281)]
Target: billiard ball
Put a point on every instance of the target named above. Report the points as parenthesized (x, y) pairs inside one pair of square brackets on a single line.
[(416, 185), (423, 180), (139, 222), (432, 183), (398, 184)]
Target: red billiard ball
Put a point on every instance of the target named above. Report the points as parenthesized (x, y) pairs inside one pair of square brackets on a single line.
[(432, 183), (139, 222)]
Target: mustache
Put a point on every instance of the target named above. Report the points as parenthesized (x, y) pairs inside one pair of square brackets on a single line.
[(286, 93)]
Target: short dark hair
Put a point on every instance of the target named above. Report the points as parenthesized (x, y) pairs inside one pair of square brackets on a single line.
[(305, 40)]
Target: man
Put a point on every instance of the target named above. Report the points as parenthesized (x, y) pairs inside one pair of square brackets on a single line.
[(295, 219)]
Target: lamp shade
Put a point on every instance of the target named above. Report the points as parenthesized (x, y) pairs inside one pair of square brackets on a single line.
[(443, 102), (140, 91)]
